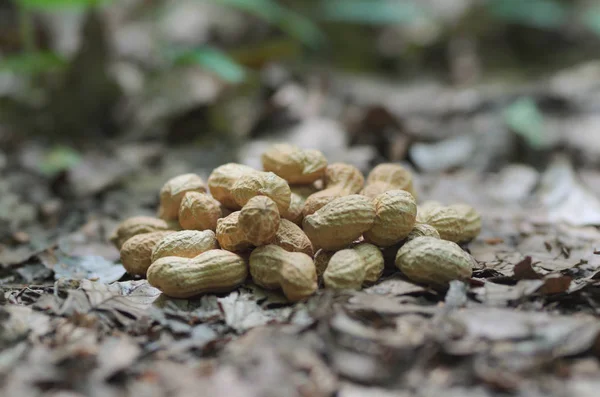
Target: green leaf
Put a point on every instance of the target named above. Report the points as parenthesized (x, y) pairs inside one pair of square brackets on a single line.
[(214, 60), (58, 159), (370, 12), (53, 5), (32, 63), (538, 13), (525, 119)]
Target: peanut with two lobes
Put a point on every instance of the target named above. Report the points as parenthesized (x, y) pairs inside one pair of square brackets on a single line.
[(280, 218)]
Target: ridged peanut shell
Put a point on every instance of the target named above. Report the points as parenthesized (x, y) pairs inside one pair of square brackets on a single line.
[(395, 214), (432, 261), (445, 220), (259, 220), (272, 267), (321, 260), (185, 244), (172, 193), (137, 225), (221, 180), (229, 234), (471, 221), (262, 184), (345, 270), (294, 164), (292, 238), (199, 211), (294, 211), (136, 253), (372, 259), (422, 230), (340, 222), (388, 176), (210, 272)]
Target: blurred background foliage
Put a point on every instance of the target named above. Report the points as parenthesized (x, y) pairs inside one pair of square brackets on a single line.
[(59, 78)]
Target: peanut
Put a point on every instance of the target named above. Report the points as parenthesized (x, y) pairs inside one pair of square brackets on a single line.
[(185, 244), (340, 180), (293, 164), (137, 225), (292, 238), (229, 234), (172, 193), (199, 211), (352, 268), (445, 220), (340, 222), (221, 180), (211, 271), (322, 259), (136, 253), (262, 184), (272, 267), (432, 261), (259, 220), (471, 221), (422, 230), (388, 176), (294, 211), (395, 213)]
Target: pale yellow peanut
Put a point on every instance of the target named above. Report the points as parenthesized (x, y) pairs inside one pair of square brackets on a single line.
[(229, 234), (136, 253), (433, 261), (422, 230), (185, 244), (137, 225), (294, 211), (210, 272), (321, 260), (259, 220), (292, 238), (471, 221), (172, 193), (372, 259), (340, 180), (294, 164), (395, 214), (221, 180), (388, 176), (199, 211), (262, 184), (445, 220), (339, 223), (272, 267), (345, 270)]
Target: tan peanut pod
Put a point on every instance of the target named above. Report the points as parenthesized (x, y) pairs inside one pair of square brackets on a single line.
[(137, 225), (304, 190), (262, 184), (322, 258), (229, 234), (210, 272), (259, 220), (294, 164), (292, 238), (395, 214), (172, 193), (339, 223), (294, 211), (345, 270), (388, 176), (471, 221), (445, 220), (426, 207), (340, 180), (272, 267), (422, 230), (432, 261), (221, 180), (185, 244), (199, 211), (372, 259), (136, 253)]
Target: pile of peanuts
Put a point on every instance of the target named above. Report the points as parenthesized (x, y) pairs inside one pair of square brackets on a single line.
[(297, 224)]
